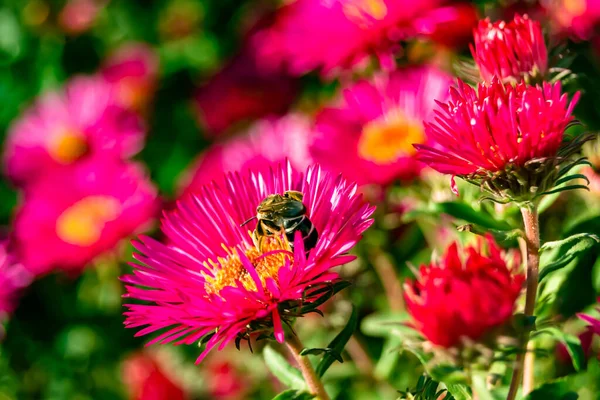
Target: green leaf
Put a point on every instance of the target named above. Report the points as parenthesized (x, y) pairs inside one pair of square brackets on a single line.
[(583, 243), (338, 343), (459, 391), (384, 324), (294, 395), (557, 390), (282, 370), (469, 214), (448, 374), (572, 343), (480, 387), (559, 243), (318, 351)]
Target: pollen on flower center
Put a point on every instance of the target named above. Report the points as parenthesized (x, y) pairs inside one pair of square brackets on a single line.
[(383, 141), (83, 222), (230, 269), (67, 146), (359, 9)]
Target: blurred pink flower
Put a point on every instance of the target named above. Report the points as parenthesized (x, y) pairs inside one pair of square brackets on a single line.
[(78, 16), (578, 18), (243, 91), (330, 34), (225, 381), (79, 212), (369, 137), (510, 50), (133, 70), (13, 278), (450, 25), (466, 294), (145, 379), (212, 279), (65, 126), (266, 142)]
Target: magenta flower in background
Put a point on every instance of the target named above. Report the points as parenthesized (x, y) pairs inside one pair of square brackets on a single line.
[(78, 212), (510, 50), (133, 70), (266, 142), (334, 34), (212, 279), (497, 129), (466, 294), (580, 19), (369, 137), (65, 126), (243, 91), (13, 278)]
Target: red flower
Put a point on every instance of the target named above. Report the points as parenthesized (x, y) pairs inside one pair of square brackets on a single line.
[(464, 295), (500, 133), (145, 380), (510, 50)]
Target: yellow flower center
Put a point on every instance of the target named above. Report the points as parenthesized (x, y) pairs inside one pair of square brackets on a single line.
[(575, 7), (230, 269), (67, 146), (385, 140), (132, 93), (359, 9), (83, 222)]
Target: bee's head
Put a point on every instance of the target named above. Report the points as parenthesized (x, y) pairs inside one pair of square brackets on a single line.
[(278, 206)]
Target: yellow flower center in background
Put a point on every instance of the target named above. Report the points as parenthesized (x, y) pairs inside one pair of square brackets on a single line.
[(359, 9), (67, 146), (227, 270), (385, 140), (575, 7), (132, 93), (83, 222)]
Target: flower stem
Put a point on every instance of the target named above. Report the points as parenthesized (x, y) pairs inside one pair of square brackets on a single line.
[(524, 364), (315, 385)]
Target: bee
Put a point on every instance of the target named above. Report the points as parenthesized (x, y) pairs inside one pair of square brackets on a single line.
[(285, 214)]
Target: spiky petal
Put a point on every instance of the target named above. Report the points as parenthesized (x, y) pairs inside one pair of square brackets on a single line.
[(508, 137)]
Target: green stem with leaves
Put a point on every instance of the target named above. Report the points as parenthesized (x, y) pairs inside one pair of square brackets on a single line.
[(524, 364), (311, 378)]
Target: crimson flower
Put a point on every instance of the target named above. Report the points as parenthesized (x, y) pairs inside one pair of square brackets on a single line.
[(212, 282), (510, 50), (506, 138), (466, 294)]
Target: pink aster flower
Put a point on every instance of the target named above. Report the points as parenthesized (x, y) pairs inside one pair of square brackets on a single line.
[(267, 142), (133, 70), (317, 34), (65, 126), (510, 50), (467, 294), (500, 134), (79, 212), (213, 279), (13, 278), (369, 137)]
